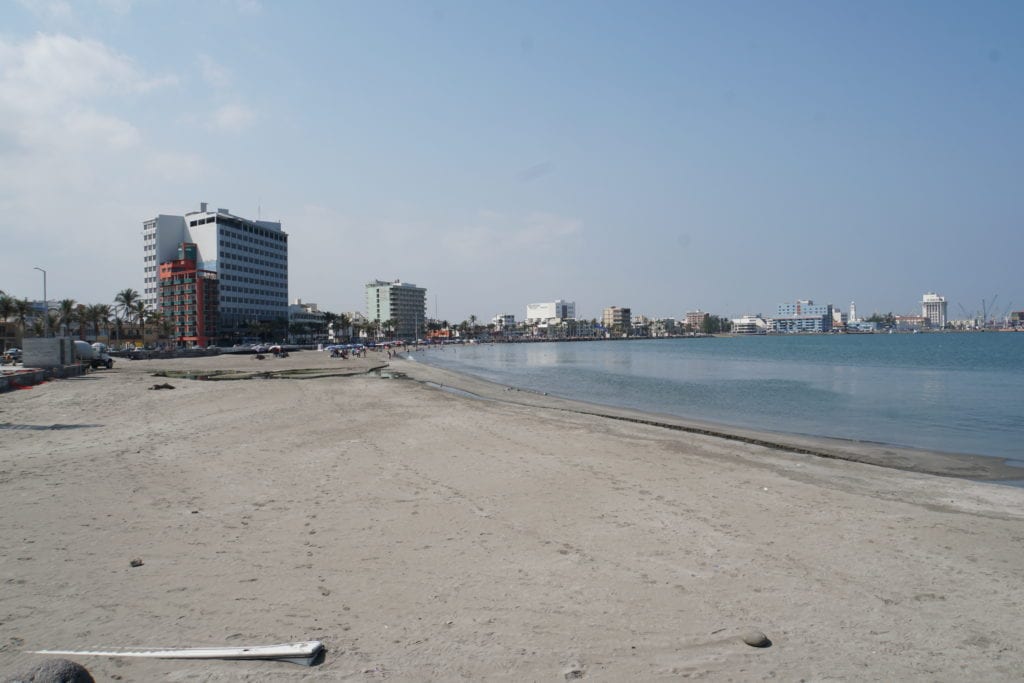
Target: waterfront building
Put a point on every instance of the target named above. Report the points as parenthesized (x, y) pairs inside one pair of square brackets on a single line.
[(249, 258), (664, 327), (617, 318), (910, 323), (750, 324), (188, 298), (933, 307), (356, 326), (567, 328), (802, 316), (554, 310), (695, 320), (402, 303), (853, 313), (305, 321), (504, 321), (640, 326)]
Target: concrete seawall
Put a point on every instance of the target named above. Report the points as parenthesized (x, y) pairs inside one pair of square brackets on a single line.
[(28, 377)]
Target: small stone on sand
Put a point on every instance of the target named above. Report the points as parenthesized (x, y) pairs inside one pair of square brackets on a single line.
[(755, 638), (137, 562)]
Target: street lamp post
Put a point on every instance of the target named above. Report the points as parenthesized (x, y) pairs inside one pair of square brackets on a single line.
[(46, 304)]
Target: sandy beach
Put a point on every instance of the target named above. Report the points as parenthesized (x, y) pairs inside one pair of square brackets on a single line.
[(424, 535)]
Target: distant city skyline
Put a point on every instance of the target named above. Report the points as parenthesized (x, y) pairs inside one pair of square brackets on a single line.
[(663, 157)]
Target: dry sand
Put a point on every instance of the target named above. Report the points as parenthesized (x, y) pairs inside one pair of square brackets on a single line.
[(423, 535)]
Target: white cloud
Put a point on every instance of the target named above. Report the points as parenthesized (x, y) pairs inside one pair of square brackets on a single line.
[(117, 6), (50, 70), (249, 6), (107, 131), (175, 166), (214, 74), (51, 10), (68, 145), (232, 117)]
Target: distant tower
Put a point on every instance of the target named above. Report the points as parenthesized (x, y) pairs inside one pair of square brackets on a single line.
[(853, 312), (933, 307)]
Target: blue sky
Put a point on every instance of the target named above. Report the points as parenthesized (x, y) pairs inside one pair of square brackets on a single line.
[(726, 156)]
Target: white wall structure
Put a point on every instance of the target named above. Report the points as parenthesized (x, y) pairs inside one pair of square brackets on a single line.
[(554, 310), (250, 259), (750, 324)]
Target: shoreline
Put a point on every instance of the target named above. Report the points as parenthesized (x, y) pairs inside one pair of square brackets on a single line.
[(939, 463)]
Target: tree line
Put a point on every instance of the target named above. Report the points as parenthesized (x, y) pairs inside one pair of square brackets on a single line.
[(127, 316)]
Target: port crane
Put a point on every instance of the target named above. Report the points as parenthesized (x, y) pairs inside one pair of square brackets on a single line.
[(987, 310)]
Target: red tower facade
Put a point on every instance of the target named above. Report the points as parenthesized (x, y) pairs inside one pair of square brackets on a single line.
[(188, 297)]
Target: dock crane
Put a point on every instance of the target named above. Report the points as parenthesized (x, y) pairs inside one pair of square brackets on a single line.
[(1004, 318), (967, 316), (987, 309)]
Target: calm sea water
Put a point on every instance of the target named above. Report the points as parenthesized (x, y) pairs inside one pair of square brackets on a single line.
[(960, 393)]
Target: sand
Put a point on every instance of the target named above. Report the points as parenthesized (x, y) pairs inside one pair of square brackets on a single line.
[(424, 535)]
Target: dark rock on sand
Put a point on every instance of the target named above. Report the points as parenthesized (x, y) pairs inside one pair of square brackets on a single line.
[(56, 671)]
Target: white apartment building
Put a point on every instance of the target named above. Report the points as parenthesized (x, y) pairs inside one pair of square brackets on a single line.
[(750, 324), (402, 302), (619, 317), (249, 257), (933, 307), (300, 313), (504, 321), (555, 310)]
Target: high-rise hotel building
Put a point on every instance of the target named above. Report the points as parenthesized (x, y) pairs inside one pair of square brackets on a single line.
[(403, 303), (249, 259)]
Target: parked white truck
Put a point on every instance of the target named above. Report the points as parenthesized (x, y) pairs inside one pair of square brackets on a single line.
[(94, 354)]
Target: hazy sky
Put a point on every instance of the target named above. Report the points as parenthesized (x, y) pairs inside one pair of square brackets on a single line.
[(663, 156)]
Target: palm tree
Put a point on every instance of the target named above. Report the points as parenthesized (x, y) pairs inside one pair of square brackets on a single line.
[(39, 324), (118, 324), (87, 316), (82, 318), (163, 325), (22, 308), (342, 324), (99, 313), (66, 314), (125, 302), (141, 316), (7, 307), (103, 312), (472, 325)]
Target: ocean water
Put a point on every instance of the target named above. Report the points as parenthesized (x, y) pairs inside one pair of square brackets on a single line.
[(958, 393)]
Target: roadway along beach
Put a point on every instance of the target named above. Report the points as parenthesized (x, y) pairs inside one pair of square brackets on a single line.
[(423, 535)]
